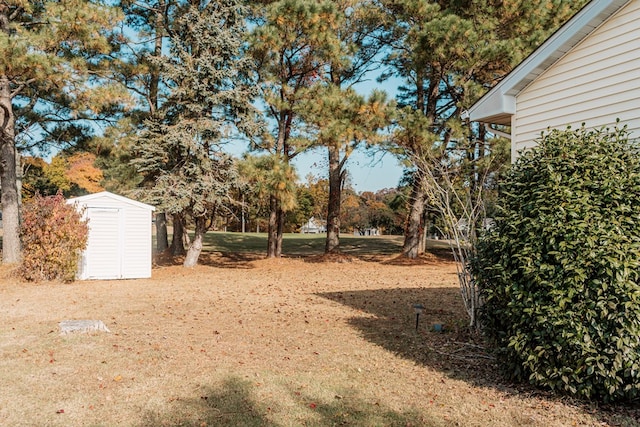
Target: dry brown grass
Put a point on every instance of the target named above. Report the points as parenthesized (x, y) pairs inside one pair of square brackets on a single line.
[(250, 342)]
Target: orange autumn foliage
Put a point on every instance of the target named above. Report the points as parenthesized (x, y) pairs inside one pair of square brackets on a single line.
[(82, 171)]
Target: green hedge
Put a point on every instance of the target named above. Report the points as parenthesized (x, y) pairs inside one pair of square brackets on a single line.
[(560, 272)]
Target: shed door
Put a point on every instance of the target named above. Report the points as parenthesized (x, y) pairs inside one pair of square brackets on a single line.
[(104, 248)]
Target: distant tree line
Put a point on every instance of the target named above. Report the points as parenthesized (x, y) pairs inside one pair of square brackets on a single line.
[(383, 210)]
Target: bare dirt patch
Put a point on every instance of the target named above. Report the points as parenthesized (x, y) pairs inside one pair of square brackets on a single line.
[(245, 341)]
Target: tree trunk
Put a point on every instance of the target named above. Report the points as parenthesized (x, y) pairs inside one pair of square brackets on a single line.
[(196, 244), (414, 226), (335, 193), (177, 242), (162, 241), (11, 251), (272, 231), (280, 221), (154, 73), (186, 241), (243, 219), (162, 238), (422, 244)]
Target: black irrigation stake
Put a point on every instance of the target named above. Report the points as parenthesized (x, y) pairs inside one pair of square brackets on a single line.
[(418, 308)]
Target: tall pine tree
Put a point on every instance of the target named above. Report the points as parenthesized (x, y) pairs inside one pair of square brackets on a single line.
[(343, 120), (362, 39), (51, 60), (211, 84), (292, 44), (449, 53), (138, 70)]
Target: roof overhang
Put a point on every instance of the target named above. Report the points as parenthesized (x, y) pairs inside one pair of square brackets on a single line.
[(87, 199), (499, 104)]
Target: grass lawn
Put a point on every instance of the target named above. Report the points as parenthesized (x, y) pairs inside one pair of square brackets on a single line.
[(245, 341), (300, 245), (295, 244)]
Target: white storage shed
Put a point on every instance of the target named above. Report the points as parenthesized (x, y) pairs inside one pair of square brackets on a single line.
[(119, 245)]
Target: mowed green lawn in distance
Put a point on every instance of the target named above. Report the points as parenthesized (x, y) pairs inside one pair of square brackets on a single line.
[(296, 244)]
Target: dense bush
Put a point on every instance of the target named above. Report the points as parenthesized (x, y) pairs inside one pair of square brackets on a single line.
[(53, 236), (560, 272)]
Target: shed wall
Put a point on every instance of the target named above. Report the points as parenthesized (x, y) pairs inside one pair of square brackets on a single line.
[(131, 237), (595, 83), (102, 259), (137, 243)]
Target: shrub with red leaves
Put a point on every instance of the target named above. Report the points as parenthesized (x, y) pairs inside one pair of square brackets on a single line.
[(53, 236)]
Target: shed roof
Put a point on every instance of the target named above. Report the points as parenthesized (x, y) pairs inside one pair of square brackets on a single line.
[(499, 104), (91, 197)]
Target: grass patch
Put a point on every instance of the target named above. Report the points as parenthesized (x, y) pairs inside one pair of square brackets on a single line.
[(302, 245), (295, 244)]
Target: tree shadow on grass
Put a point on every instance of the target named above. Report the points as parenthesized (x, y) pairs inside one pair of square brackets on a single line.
[(349, 410), (431, 256), (233, 404), (384, 256), (454, 351), (229, 405), (230, 260)]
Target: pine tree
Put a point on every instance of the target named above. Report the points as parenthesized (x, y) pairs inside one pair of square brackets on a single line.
[(449, 53), (49, 51), (294, 41), (343, 120), (210, 86), (362, 34), (272, 177), (138, 70)]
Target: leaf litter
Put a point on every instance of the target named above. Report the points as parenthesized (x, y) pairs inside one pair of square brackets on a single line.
[(274, 337)]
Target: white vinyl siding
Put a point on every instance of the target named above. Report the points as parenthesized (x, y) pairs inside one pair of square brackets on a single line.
[(595, 83), (103, 259), (119, 245), (138, 246)]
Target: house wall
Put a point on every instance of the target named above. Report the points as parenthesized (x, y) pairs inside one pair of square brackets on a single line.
[(131, 238), (595, 83)]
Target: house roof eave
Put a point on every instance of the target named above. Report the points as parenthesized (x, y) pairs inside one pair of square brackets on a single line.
[(496, 104), (496, 109)]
